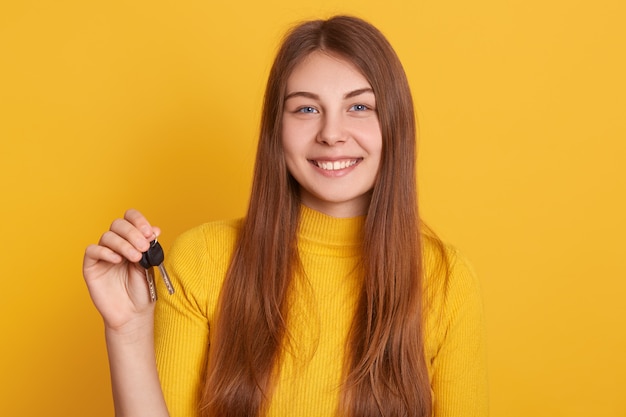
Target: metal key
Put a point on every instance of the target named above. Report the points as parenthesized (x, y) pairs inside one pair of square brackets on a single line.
[(151, 286), (154, 256)]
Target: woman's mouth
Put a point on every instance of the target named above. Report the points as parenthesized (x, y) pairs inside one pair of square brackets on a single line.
[(335, 165)]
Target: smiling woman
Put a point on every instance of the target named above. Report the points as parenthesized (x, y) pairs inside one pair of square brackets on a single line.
[(328, 298)]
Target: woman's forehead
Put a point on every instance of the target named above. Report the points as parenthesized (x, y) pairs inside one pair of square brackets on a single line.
[(323, 70)]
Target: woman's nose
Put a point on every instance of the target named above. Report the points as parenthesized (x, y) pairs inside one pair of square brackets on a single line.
[(331, 130)]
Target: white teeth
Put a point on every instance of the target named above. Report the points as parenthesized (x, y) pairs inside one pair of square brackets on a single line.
[(336, 165)]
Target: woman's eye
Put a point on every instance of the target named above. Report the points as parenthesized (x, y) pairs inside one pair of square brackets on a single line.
[(307, 109), (359, 107)]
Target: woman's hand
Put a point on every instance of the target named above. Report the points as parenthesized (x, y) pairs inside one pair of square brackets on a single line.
[(116, 283)]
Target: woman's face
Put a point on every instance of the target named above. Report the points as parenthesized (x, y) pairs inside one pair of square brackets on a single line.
[(331, 135)]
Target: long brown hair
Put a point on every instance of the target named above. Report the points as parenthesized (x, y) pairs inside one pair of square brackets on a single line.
[(385, 372)]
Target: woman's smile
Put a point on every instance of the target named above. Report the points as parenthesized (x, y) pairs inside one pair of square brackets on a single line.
[(336, 165)]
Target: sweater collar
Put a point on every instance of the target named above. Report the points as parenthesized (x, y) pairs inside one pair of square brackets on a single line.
[(320, 228)]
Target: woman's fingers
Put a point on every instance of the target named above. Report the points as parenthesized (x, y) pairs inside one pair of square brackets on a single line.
[(137, 219), (96, 253), (129, 244), (127, 238)]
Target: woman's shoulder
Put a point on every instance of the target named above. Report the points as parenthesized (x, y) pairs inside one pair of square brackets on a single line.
[(208, 244), (215, 235), (448, 275), (198, 259)]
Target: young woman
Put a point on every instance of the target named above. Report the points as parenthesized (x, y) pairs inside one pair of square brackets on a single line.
[(329, 298)]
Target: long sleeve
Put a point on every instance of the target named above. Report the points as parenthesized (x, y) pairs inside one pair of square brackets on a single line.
[(458, 362), (196, 264)]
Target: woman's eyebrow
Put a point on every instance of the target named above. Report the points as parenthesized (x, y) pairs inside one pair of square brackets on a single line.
[(358, 92), (302, 94), (313, 96)]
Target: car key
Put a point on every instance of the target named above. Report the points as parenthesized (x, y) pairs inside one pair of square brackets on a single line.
[(151, 286), (154, 256)]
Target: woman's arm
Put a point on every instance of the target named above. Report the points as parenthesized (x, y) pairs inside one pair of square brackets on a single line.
[(134, 378), (459, 369), (118, 288)]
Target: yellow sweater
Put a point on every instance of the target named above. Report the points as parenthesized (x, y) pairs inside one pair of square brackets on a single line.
[(319, 321)]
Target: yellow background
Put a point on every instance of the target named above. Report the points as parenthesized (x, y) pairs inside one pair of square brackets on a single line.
[(106, 105)]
